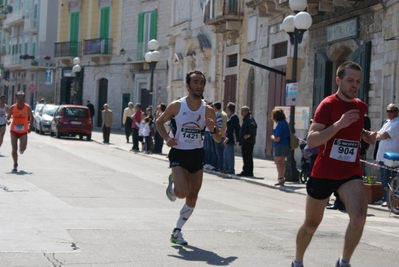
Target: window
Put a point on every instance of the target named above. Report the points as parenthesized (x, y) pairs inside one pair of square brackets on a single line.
[(232, 61), (280, 50), (34, 49), (147, 30)]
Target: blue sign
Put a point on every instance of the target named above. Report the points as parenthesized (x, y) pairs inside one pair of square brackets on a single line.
[(49, 77)]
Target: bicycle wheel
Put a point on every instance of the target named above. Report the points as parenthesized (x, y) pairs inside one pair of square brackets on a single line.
[(303, 176), (393, 195)]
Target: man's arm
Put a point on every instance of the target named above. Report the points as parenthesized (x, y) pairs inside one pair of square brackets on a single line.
[(30, 119), (319, 134), (9, 115), (210, 121), (171, 110)]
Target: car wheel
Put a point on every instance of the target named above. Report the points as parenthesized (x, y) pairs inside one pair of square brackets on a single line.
[(51, 133), (80, 136), (57, 133), (41, 130), (88, 137)]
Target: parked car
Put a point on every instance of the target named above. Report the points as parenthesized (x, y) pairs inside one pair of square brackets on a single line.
[(71, 120), (35, 113), (44, 117)]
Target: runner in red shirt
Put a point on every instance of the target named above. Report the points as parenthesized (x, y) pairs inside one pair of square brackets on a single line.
[(337, 129), (22, 116)]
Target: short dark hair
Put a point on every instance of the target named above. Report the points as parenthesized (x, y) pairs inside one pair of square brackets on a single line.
[(347, 65), (3, 96), (188, 75), (138, 105), (231, 106), (217, 105), (162, 106)]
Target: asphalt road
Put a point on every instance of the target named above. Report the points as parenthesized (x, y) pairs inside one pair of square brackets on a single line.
[(79, 204)]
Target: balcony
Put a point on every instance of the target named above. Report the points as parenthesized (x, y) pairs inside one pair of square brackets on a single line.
[(30, 25), (15, 18), (269, 8), (38, 63), (12, 61), (67, 51), (97, 49), (225, 15)]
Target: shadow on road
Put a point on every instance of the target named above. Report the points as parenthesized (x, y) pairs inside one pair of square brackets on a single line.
[(191, 253)]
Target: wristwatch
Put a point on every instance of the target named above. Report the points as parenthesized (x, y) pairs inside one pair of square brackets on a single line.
[(214, 130)]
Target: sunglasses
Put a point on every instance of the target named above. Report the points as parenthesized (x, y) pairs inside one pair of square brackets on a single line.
[(391, 111), (19, 96)]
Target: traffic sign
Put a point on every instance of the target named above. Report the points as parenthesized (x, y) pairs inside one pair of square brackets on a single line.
[(6, 83), (32, 88)]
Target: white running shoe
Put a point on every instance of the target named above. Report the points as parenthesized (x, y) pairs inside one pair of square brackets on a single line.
[(177, 238), (169, 190)]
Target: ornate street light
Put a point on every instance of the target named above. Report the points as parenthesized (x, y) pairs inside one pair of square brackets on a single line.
[(295, 26), (152, 58), (76, 69)]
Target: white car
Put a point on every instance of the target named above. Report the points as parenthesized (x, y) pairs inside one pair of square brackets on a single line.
[(44, 117)]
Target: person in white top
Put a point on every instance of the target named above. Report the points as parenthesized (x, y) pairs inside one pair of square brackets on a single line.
[(3, 114), (187, 154), (145, 133), (388, 136)]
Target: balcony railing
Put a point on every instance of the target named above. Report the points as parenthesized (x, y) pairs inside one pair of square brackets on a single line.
[(11, 61), (68, 49), (38, 62), (217, 12), (30, 25), (98, 46)]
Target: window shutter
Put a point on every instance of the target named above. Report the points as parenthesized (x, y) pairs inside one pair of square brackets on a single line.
[(74, 33), (140, 37), (104, 28), (34, 49), (153, 29)]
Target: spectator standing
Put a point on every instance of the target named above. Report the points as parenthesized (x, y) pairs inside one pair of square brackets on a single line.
[(247, 141), (232, 135), (107, 118), (158, 140), (209, 148), (221, 118), (136, 119), (127, 120), (145, 132), (281, 142), (148, 113), (388, 136), (92, 111)]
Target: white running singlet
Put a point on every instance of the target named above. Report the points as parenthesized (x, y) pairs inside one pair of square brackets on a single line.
[(3, 115), (189, 125)]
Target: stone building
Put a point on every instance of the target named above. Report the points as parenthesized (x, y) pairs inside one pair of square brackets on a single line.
[(26, 45)]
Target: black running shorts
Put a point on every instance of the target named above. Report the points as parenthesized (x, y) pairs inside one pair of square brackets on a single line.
[(319, 188), (191, 160)]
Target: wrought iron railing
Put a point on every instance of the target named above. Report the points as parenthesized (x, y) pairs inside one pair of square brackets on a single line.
[(99, 46), (67, 49)]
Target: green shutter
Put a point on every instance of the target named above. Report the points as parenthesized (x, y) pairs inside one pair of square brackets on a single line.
[(140, 37), (74, 33), (104, 28), (35, 16), (26, 48), (153, 26)]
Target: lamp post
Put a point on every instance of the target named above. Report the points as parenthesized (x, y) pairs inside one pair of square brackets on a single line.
[(76, 69), (152, 58), (295, 26)]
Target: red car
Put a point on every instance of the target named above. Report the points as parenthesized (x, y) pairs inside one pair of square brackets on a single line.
[(71, 120)]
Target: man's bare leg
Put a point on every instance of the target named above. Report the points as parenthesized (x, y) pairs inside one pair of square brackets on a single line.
[(313, 215), (354, 197), (23, 142), (2, 131), (14, 146)]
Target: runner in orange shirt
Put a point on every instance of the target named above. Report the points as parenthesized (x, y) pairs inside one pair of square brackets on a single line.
[(20, 126)]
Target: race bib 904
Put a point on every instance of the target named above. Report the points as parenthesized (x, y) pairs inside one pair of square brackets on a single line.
[(344, 150)]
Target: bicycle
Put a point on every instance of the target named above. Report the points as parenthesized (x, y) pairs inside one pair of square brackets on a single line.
[(393, 194)]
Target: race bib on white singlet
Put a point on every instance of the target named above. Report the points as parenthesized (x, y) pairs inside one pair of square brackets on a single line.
[(19, 127), (190, 134), (344, 150)]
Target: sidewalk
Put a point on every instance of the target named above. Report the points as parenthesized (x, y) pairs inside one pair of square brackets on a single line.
[(265, 172)]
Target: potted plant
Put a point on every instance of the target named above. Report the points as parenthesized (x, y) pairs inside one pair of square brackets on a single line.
[(373, 189), (34, 63), (47, 57)]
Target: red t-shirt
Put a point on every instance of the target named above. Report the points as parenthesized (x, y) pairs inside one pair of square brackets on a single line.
[(338, 159)]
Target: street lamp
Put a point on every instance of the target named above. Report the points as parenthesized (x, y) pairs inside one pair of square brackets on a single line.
[(152, 58), (76, 68), (295, 26)]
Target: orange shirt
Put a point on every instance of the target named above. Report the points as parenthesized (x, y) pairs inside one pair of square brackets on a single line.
[(20, 119)]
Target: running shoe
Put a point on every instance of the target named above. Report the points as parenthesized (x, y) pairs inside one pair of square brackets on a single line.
[(169, 190), (14, 169), (177, 237), (337, 265), (292, 264)]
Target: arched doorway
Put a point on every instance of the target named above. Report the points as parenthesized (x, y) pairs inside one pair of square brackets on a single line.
[(102, 98)]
